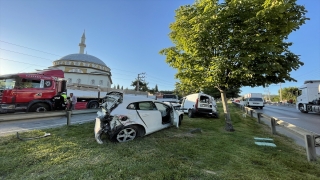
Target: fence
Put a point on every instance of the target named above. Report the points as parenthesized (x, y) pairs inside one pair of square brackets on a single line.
[(311, 139)]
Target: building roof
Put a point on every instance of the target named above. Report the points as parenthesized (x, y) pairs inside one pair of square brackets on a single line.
[(83, 57)]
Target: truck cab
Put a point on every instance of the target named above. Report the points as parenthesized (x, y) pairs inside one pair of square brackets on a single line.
[(308, 99)]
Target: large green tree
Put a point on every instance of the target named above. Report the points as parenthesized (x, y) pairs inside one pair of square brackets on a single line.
[(230, 93), (289, 93), (234, 44)]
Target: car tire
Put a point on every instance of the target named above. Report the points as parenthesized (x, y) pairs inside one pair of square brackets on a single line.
[(39, 107), (127, 133), (190, 113)]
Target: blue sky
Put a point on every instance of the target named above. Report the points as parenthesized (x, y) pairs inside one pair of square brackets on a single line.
[(126, 35)]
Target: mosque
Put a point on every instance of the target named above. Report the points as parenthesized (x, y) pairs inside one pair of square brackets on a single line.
[(83, 69)]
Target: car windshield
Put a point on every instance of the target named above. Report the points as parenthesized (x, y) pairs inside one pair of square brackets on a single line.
[(7, 83), (255, 99)]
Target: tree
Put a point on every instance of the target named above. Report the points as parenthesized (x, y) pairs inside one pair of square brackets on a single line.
[(114, 87), (289, 93), (233, 44), (143, 86), (118, 87), (156, 88), (230, 93), (121, 87)]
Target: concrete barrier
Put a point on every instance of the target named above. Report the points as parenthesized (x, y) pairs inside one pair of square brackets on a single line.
[(23, 116)]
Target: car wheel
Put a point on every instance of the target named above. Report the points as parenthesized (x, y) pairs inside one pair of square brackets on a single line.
[(190, 113), (301, 108), (128, 133), (39, 107)]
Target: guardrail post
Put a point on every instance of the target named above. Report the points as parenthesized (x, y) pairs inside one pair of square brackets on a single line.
[(68, 118), (310, 147), (251, 112), (259, 117), (273, 126)]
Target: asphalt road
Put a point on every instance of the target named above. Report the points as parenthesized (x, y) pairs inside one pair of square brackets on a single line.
[(308, 121), (12, 127)]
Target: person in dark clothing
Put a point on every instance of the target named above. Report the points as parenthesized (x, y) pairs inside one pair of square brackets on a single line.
[(58, 102)]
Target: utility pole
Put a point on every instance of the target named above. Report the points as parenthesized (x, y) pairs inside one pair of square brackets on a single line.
[(140, 77), (280, 94)]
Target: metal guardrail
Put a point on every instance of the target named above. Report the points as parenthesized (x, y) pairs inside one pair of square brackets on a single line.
[(22, 116), (312, 140)]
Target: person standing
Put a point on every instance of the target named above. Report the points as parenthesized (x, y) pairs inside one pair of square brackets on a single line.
[(73, 102)]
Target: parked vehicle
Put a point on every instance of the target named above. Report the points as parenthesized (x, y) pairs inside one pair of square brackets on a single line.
[(199, 104), (308, 99), (254, 102), (125, 117), (169, 98), (36, 91)]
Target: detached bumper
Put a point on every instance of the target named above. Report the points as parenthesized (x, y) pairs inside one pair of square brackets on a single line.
[(98, 131)]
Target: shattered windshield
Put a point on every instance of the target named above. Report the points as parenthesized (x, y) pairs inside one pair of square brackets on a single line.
[(7, 83)]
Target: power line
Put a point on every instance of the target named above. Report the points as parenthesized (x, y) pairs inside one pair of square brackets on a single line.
[(27, 54), (21, 62), (29, 48)]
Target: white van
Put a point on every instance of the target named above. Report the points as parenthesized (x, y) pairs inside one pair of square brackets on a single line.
[(254, 102), (199, 104)]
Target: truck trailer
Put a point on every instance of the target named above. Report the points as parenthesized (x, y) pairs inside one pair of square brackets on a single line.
[(37, 91), (308, 99)]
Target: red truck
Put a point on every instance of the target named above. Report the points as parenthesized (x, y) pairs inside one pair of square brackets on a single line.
[(35, 92)]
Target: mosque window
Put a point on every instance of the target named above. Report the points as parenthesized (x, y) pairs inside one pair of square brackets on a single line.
[(92, 82), (78, 81), (69, 81), (100, 82)]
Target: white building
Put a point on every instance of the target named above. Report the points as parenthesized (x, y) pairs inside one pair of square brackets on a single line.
[(84, 69)]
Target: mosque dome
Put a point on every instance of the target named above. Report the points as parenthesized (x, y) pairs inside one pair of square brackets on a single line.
[(84, 58)]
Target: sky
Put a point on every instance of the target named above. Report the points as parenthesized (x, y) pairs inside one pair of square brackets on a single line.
[(126, 35)]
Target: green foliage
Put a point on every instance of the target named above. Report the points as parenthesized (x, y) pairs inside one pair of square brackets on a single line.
[(143, 86), (230, 93), (118, 87), (156, 88), (289, 93), (234, 44)]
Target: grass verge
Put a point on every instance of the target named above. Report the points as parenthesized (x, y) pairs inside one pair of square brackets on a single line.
[(72, 153)]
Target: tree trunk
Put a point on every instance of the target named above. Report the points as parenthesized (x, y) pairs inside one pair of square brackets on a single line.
[(229, 126)]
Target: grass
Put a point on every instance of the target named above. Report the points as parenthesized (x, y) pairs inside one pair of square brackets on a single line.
[(72, 153)]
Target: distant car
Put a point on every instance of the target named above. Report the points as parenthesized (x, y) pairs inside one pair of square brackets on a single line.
[(237, 101), (123, 118), (254, 102)]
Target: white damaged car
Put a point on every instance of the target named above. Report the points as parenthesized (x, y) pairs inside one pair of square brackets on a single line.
[(125, 117)]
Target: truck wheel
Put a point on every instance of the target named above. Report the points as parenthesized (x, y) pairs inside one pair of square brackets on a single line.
[(301, 108), (93, 105), (39, 107), (190, 113)]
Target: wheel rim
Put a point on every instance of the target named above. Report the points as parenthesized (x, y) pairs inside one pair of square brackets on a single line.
[(126, 134), (301, 107), (41, 109)]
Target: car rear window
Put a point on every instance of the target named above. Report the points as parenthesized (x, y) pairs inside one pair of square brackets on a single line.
[(169, 96), (255, 99)]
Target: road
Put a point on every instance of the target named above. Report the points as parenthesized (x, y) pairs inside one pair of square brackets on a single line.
[(11, 127), (308, 121)]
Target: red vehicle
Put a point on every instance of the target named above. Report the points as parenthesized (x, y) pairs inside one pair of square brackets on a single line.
[(35, 92)]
